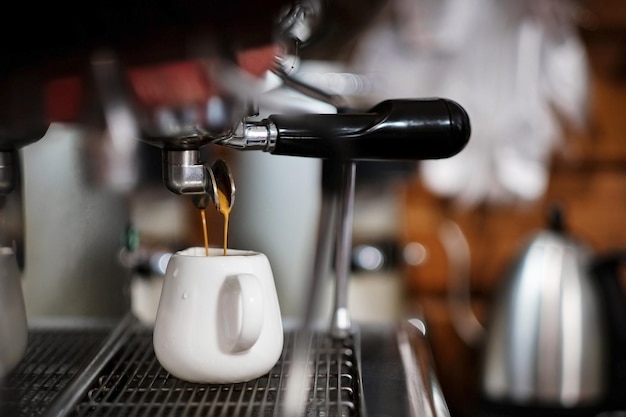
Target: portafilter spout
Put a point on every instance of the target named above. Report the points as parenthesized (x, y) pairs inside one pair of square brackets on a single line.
[(185, 173), (219, 181)]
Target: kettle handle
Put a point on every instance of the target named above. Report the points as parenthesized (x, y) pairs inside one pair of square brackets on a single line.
[(605, 268)]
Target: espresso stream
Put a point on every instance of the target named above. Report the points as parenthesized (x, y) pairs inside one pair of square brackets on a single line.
[(206, 233), (224, 208)]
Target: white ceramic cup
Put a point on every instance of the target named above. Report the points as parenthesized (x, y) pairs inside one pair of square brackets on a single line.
[(218, 319)]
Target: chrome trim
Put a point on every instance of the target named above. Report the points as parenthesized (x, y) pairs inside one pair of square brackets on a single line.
[(424, 393), (253, 136)]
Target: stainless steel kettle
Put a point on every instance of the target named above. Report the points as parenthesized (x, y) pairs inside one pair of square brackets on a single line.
[(555, 336)]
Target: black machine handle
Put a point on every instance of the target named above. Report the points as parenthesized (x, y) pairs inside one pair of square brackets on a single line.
[(411, 129)]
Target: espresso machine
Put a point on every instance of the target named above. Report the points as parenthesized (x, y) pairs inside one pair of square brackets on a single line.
[(182, 77)]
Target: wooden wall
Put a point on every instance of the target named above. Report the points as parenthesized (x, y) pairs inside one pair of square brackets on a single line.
[(588, 178)]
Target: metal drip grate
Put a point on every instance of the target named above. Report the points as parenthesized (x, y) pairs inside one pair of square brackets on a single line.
[(53, 357), (132, 383)]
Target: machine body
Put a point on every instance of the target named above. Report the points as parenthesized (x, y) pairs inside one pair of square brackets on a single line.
[(180, 76)]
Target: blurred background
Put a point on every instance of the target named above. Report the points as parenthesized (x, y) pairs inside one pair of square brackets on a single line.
[(544, 83)]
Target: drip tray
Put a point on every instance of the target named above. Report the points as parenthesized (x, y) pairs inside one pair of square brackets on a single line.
[(113, 371), (134, 384), (125, 379), (55, 355)]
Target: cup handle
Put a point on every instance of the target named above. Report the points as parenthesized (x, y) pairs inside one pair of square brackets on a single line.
[(246, 318)]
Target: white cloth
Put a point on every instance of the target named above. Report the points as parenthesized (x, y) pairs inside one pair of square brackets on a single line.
[(512, 64)]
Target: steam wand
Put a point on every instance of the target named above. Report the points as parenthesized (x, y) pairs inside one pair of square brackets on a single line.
[(341, 324)]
